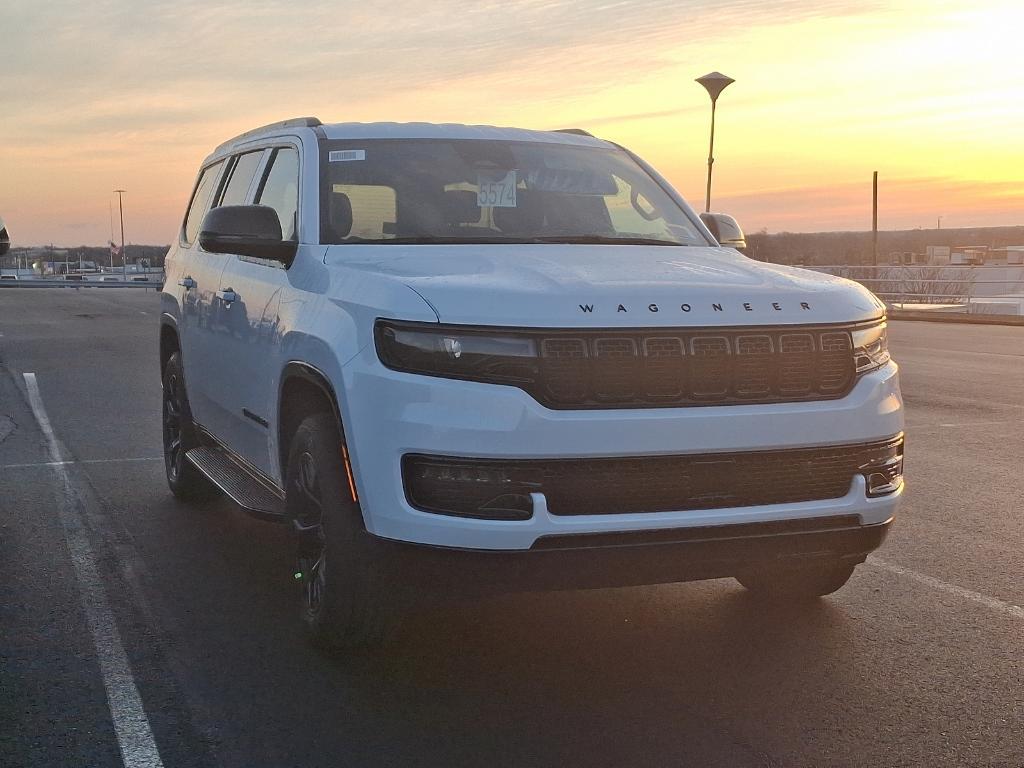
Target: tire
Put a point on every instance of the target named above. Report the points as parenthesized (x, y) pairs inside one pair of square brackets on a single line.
[(796, 584), (179, 435), (341, 603)]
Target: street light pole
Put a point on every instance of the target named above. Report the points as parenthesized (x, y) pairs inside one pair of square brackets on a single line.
[(120, 208), (714, 83)]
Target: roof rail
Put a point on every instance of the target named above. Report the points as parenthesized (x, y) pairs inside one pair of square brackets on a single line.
[(294, 122), (574, 131)]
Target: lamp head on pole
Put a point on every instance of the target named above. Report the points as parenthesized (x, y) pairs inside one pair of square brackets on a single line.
[(715, 83)]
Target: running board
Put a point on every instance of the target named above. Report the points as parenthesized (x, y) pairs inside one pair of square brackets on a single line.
[(243, 487)]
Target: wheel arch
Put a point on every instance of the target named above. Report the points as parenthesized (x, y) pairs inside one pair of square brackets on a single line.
[(305, 389), (169, 341)]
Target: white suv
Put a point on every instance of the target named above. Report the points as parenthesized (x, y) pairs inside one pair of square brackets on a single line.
[(467, 359)]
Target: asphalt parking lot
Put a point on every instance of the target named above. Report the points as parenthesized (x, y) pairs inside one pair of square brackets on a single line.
[(916, 662)]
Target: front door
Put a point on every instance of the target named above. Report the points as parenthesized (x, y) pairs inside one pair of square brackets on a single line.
[(249, 332)]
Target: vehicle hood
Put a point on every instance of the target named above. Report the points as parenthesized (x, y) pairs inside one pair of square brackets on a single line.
[(607, 286)]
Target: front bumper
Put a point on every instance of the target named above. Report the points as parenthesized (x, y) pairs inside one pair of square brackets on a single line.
[(389, 414), (597, 561)]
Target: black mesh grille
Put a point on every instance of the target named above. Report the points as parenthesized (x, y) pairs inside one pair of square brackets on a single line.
[(641, 484), (674, 368), (635, 368)]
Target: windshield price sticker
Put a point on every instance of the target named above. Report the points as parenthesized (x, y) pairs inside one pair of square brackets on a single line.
[(496, 193)]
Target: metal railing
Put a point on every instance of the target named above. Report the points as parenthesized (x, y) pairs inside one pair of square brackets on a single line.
[(79, 284), (953, 286)]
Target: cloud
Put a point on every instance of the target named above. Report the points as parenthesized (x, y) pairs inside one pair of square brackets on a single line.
[(135, 92)]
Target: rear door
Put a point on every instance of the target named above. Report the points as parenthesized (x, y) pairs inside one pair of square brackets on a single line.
[(198, 283)]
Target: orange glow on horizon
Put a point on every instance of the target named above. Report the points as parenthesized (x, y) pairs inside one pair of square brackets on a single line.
[(930, 94)]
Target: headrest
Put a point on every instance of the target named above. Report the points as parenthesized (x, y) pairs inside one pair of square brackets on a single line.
[(341, 215), (460, 207), (527, 217)]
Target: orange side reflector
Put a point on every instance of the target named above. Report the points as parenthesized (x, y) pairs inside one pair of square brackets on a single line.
[(348, 472)]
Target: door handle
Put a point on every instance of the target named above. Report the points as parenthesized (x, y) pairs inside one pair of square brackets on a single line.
[(228, 295), (187, 282)]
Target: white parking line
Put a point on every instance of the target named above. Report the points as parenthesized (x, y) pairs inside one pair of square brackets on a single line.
[(930, 581), (37, 464), (131, 727)]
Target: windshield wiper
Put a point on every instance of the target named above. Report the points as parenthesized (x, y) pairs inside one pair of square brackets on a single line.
[(441, 240), (605, 240), (508, 239)]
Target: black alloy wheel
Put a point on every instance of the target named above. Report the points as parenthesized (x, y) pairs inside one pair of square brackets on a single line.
[(312, 544), (179, 436), (342, 605)]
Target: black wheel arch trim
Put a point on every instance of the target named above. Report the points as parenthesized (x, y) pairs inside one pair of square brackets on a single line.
[(168, 320), (319, 379)]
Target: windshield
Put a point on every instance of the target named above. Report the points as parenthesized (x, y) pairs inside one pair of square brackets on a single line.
[(473, 191)]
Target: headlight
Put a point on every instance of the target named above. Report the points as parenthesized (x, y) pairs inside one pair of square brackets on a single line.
[(870, 347), (457, 353)]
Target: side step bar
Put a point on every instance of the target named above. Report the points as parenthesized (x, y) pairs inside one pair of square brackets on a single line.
[(248, 491)]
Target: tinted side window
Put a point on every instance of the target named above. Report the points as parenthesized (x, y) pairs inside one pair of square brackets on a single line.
[(205, 188), (240, 177), (280, 189)]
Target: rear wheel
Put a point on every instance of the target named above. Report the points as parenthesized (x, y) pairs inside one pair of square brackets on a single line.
[(341, 602), (179, 436), (796, 584)]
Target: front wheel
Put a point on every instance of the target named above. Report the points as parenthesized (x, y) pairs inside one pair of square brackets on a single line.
[(342, 605), (796, 584)]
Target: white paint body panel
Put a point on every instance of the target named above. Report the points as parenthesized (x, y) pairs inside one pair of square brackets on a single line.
[(322, 310)]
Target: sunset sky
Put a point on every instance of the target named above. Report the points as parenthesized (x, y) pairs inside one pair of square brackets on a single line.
[(134, 93)]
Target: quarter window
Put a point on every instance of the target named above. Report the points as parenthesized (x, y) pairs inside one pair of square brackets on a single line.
[(280, 189), (201, 198)]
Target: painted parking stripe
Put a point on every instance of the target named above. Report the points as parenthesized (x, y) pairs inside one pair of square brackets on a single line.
[(131, 726), (37, 464), (1009, 609)]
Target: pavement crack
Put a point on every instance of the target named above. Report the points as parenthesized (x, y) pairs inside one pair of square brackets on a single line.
[(8, 426)]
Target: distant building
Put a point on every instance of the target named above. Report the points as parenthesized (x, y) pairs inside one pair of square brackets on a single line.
[(1008, 254)]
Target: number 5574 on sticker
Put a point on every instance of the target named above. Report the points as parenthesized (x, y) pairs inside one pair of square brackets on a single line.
[(496, 193)]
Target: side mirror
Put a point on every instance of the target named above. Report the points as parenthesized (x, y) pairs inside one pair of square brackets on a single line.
[(726, 231), (247, 230), (5, 239)]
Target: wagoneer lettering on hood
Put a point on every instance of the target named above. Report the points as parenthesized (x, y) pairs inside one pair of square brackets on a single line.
[(609, 286)]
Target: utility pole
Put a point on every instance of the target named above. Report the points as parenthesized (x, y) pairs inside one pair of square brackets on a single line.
[(120, 208), (874, 218)]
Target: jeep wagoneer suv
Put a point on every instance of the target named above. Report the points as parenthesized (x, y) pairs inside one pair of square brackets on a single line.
[(465, 359)]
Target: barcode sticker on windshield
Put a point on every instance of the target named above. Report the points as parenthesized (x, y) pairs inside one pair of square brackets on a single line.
[(346, 155), (496, 193)]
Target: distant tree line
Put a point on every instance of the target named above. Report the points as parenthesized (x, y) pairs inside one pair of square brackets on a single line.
[(814, 248)]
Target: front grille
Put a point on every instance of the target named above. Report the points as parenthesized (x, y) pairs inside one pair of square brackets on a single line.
[(501, 488), (673, 368)]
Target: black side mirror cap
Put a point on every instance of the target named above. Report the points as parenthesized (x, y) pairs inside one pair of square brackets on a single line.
[(246, 230), (726, 230)]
